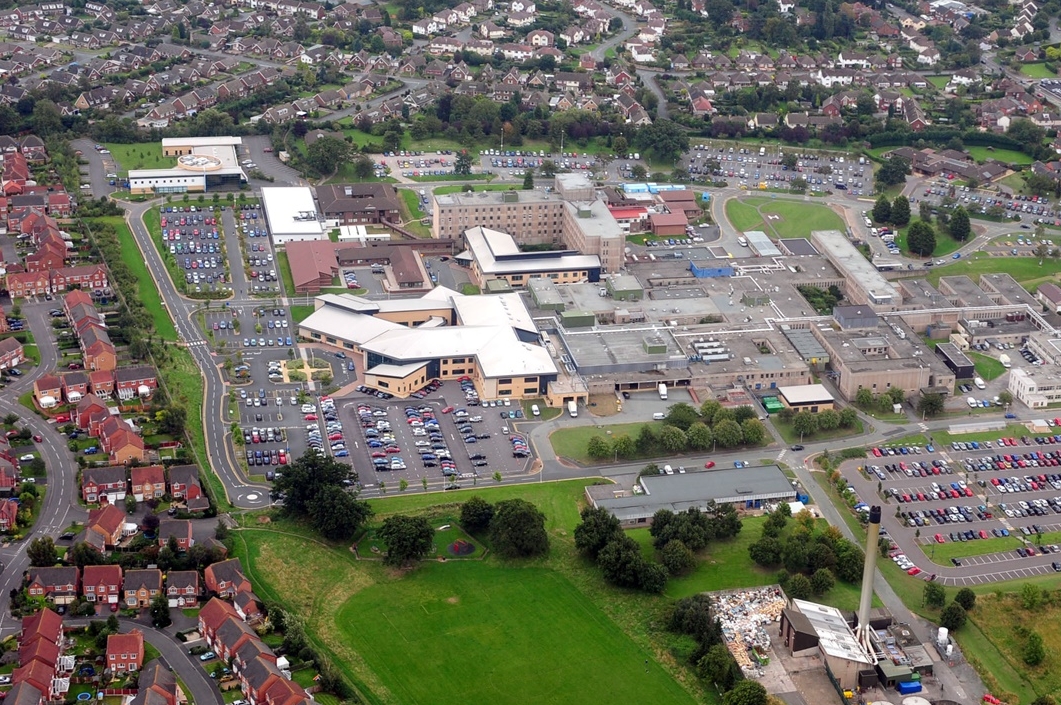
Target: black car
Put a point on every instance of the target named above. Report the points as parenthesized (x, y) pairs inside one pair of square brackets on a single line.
[(797, 447), (626, 395), (476, 456)]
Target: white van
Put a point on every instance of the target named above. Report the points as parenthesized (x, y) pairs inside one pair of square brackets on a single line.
[(535, 410), (742, 242), (972, 403), (658, 416), (668, 470), (979, 383)]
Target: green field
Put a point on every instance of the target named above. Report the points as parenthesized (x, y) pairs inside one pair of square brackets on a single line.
[(406, 629), (146, 155), (945, 244), (571, 442), (791, 436), (1006, 156), (284, 267), (792, 218), (986, 367), (470, 631), (1023, 269), (411, 199), (301, 313), (1037, 70), (942, 552), (939, 82), (149, 295)]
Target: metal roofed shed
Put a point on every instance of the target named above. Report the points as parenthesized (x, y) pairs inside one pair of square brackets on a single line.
[(746, 487), (761, 245), (846, 660), (807, 346), (292, 214), (958, 362), (545, 294), (625, 287)]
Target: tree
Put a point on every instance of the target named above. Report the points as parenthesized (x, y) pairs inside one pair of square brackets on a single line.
[(828, 420), (822, 581), (463, 163), (326, 154), (924, 211), (708, 410), (900, 211), (921, 238), (41, 552), (598, 528), (476, 514), (805, 423), (728, 434), (746, 692), (160, 618), (754, 431), (337, 514), (799, 587), (790, 160), (638, 172), (882, 209), (959, 224), (820, 555), (1005, 397), (931, 404), (966, 598), (620, 561), (717, 666), (699, 436), (892, 172), (766, 552), (651, 577), (518, 529), (363, 167), (681, 415), (664, 138), (623, 446), (407, 539), (82, 554), (935, 595), (171, 420), (1030, 597), (677, 558), (1033, 653), (848, 417), (672, 439), (598, 447), (528, 180), (47, 120), (952, 617)]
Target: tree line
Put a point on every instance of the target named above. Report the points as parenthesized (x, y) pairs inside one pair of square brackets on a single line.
[(685, 428)]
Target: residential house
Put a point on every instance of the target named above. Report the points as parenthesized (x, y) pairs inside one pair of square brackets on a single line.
[(102, 583), (75, 386), (178, 529), (125, 652), (226, 578), (103, 485), (142, 586), (231, 635), (148, 482), (58, 585), (8, 514), (11, 353), (120, 441), (248, 607), (182, 588), (108, 521), (47, 390), (139, 381), (213, 614), (184, 482), (156, 685)]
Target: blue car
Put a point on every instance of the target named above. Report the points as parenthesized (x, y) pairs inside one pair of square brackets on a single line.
[(957, 255), (287, 341), (342, 454)]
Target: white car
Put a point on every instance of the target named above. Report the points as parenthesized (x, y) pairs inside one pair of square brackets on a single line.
[(27, 457)]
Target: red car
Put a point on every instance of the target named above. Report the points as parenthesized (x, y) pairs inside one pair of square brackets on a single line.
[(311, 417), (379, 454), (37, 438), (62, 418), (709, 464), (335, 437), (447, 410), (968, 491), (393, 449), (876, 452), (939, 538), (913, 571)]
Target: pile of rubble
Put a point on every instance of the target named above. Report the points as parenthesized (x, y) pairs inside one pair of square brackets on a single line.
[(746, 616)]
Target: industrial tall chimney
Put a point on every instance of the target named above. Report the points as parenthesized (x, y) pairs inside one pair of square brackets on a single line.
[(872, 537)]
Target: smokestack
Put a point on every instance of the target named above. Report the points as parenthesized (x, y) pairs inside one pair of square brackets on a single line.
[(872, 537)]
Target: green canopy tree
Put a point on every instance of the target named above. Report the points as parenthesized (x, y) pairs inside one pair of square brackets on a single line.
[(746, 692), (921, 238), (598, 528), (518, 529), (728, 434), (959, 226), (476, 514), (935, 595), (900, 215), (408, 539), (882, 209)]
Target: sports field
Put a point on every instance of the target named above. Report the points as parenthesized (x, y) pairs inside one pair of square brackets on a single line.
[(782, 218), (486, 633)]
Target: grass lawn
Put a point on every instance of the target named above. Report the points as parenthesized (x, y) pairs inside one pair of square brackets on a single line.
[(458, 188), (942, 552), (742, 216), (792, 436), (545, 412), (301, 313), (451, 177), (369, 545), (284, 266), (987, 367), (943, 437), (1003, 624), (945, 244), (146, 155), (402, 637), (571, 442), (1037, 70), (412, 203), (1006, 156), (1014, 181), (1020, 268), (469, 289), (939, 82), (149, 295)]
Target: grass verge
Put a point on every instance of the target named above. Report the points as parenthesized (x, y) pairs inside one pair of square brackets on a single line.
[(146, 288)]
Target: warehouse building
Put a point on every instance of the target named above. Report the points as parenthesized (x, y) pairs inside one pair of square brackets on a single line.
[(744, 487), (202, 164)]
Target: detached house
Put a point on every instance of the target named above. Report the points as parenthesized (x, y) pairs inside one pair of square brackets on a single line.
[(58, 585), (142, 586), (103, 583), (179, 529), (215, 613), (182, 588), (226, 578), (103, 485), (148, 481), (125, 652)]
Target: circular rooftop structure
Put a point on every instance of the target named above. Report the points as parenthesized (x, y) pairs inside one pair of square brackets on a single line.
[(199, 162)]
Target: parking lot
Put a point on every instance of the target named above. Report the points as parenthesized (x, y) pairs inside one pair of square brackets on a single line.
[(752, 169), (441, 438), (192, 236), (967, 492)]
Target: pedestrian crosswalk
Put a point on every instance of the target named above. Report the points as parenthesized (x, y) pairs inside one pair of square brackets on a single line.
[(923, 426)]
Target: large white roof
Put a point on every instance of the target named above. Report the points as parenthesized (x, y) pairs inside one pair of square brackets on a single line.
[(291, 210), (834, 635), (805, 393)]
